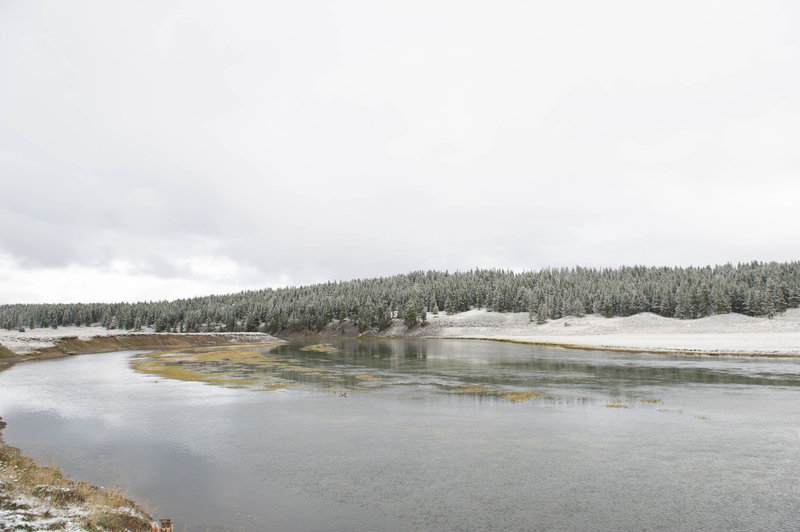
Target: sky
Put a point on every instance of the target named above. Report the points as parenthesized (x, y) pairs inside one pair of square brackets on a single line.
[(156, 150)]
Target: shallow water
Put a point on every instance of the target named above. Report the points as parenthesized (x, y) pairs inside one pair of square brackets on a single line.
[(424, 435)]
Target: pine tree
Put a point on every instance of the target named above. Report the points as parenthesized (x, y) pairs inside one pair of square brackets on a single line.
[(410, 315), (541, 314), (449, 307)]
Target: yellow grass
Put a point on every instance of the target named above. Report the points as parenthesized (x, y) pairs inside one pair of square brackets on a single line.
[(321, 348), (467, 388), (105, 509), (369, 378), (518, 397)]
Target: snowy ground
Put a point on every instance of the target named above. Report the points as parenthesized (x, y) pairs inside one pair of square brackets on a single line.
[(720, 334), (37, 497), (36, 339)]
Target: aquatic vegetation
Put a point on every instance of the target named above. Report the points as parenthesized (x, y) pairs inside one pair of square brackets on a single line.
[(234, 368), (617, 404), (278, 386), (243, 368), (518, 397), (320, 348), (367, 377), (650, 401), (470, 388)]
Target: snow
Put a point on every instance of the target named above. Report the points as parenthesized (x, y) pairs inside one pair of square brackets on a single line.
[(40, 338), (718, 334), (34, 514), (36, 339)]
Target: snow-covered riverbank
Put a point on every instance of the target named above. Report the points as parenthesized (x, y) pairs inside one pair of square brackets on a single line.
[(38, 497), (719, 334), (41, 338), (34, 340), (733, 334)]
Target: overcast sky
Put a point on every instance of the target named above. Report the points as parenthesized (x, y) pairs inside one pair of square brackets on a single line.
[(154, 150)]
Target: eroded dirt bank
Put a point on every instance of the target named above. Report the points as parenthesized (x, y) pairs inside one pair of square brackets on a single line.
[(73, 345)]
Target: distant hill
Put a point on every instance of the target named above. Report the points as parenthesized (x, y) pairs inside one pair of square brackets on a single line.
[(754, 289)]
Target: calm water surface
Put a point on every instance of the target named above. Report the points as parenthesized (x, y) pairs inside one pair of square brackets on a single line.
[(427, 437)]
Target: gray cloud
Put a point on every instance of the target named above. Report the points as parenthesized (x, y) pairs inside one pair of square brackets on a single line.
[(264, 144)]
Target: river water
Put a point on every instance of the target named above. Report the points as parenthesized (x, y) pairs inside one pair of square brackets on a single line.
[(425, 435)]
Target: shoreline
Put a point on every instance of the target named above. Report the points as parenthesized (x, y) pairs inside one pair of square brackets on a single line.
[(42, 499), (650, 350), (717, 335), (35, 496), (88, 344), (39, 497)]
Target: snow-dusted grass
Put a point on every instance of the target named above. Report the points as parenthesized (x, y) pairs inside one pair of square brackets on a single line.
[(35, 497), (40, 338), (718, 334)]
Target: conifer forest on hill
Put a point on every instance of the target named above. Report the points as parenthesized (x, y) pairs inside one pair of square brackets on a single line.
[(755, 289)]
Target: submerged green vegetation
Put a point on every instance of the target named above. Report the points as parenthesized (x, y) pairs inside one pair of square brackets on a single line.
[(754, 289), (273, 369)]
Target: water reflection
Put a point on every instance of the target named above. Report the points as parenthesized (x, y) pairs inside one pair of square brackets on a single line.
[(485, 369), (431, 435)]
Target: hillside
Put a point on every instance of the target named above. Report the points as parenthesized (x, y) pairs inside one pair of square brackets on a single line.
[(752, 289)]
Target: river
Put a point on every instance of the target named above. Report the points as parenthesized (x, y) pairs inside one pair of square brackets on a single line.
[(437, 435)]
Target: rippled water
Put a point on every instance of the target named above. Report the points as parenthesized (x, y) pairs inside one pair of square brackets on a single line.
[(426, 435)]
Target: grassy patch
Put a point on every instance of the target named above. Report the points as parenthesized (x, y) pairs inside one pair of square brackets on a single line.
[(651, 401), (469, 388), (518, 397), (617, 404), (320, 348), (237, 368), (366, 377), (6, 352)]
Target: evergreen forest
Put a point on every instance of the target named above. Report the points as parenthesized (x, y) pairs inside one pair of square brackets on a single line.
[(754, 289)]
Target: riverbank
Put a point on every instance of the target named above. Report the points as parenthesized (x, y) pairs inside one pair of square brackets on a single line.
[(721, 334), (42, 344), (37, 497)]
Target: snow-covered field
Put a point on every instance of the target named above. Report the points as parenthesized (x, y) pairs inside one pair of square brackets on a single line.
[(719, 334)]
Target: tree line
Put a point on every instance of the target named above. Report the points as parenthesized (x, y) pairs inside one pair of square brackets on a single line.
[(754, 289)]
